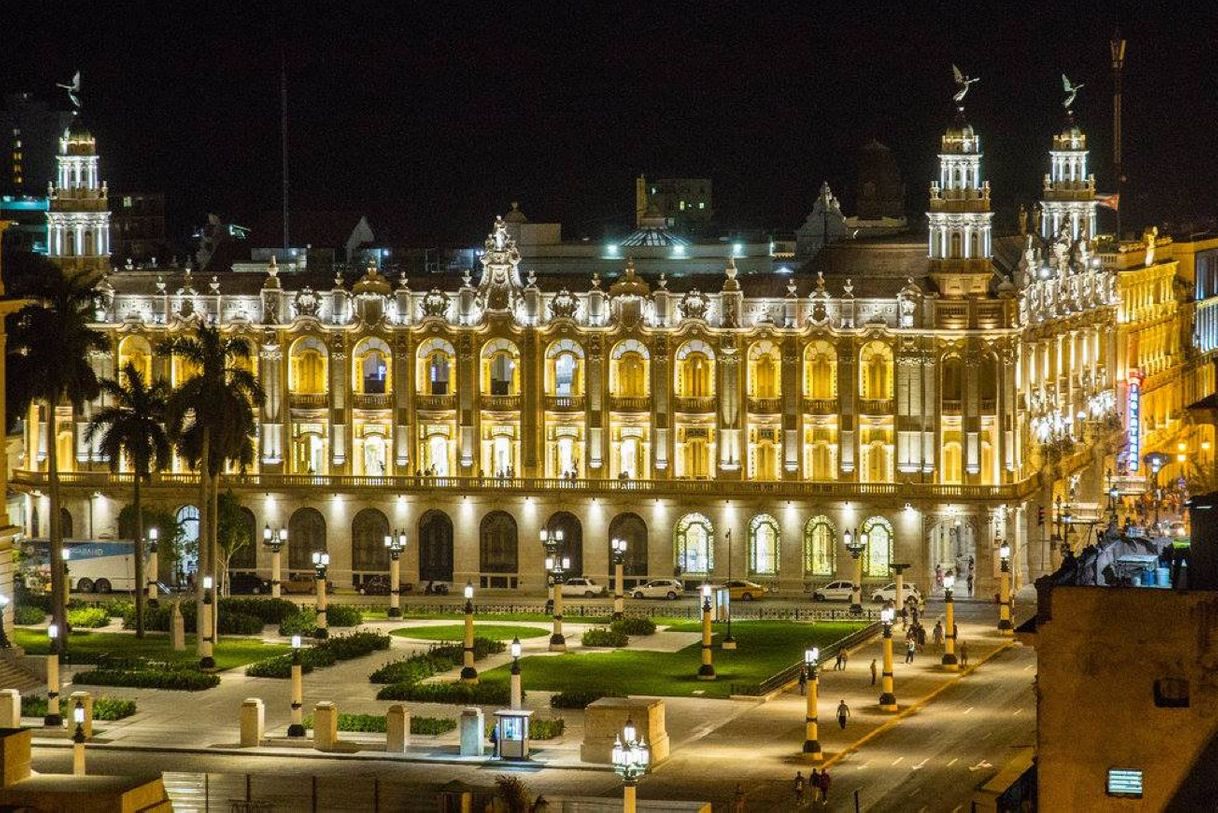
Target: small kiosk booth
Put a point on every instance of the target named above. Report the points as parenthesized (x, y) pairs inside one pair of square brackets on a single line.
[(513, 733)]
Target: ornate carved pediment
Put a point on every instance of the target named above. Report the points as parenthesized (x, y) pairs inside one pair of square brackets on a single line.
[(307, 303), (435, 304), (564, 305), (694, 305)]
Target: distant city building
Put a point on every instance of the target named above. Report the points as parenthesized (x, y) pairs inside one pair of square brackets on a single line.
[(29, 136), (137, 227), (28, 217), (78, 221), (686, 204)]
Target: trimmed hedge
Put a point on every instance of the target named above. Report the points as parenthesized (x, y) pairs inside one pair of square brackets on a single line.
[(28, 615), (112, 708), (577, 700), (323, 653), (270, 610), (600, 636), (356, 644), (631, 625), (344, 615), (482, 648), (438, 659), (366, 723), (487, 694), (432, 726), (540, 728), (181, 681), (304, 620), (157, 619)]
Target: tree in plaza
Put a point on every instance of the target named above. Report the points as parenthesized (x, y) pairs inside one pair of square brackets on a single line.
[(131, 425), (212, 421), (232, 533), (48, 366), (171, 538)]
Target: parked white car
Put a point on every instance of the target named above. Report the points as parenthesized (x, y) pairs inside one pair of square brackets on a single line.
[(583, 587), (889, 593), (840, 590), (670, 589)]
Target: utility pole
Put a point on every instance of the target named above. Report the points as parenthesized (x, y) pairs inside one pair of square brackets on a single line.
[(1117, 46)]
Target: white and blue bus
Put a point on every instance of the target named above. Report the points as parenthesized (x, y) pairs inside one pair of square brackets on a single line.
[(94, 566)]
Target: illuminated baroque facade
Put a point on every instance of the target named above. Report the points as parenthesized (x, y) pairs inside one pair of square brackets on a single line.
[(936, 418)]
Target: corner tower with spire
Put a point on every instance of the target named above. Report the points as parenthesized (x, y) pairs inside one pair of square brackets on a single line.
[(78, 221), (1069, 194), (959, 218)]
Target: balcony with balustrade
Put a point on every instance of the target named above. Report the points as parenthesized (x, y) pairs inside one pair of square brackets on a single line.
[(629, 403), (435, 403), (308, 400), (501, 403), (565, 403), (695, 404), (820, 406), (765, 406), (373, 400)]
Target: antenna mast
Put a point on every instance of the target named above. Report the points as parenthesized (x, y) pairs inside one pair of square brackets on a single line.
[(1117, 46), (283, 136)]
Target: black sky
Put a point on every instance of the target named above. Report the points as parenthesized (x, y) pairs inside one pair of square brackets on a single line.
[(443, 113)]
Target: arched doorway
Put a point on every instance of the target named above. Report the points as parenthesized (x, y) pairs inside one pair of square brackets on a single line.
[(65, 523), (497, 550), (953, 545), (306, 533), (572, 539), (435, 547), (368, 554), (633, 529)]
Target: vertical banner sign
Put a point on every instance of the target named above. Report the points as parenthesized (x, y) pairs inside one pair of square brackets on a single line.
[(1134, 414)]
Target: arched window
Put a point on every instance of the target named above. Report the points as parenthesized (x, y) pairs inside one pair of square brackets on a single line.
[(952, 463), (572, 539), (66, 529), (952, 391), (306, 533), (765, 370), (500, 360), (987, 384), (628, 369), (497, 543), (820, 371), (631, 528), (763, 545), (368, 531), (878, 555), (435, 547), (372, 367), (307, 366), (436, 359), (564, 368), (695, 370), (245, 557), (875, 371), (136, 350), (820, 547), (694, 545)]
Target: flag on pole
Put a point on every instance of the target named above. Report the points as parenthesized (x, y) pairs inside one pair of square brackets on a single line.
[(1112, 201)]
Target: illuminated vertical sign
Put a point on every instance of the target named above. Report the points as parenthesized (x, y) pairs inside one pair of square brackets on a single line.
[(1134, 415)]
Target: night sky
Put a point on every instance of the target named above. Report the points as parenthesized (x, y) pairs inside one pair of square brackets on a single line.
[(441, 114)]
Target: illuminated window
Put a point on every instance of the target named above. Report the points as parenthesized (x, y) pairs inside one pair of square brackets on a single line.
[(878, 556), (820, 545), (693, 545), (763, 545)]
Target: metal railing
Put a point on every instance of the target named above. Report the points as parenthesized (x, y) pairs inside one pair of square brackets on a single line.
[(765, 406), (435, 402), (563, 403), (501, 403), (308, 399), (630, 403), (695, 403), (791, 673), (373, 400), (820, 406)]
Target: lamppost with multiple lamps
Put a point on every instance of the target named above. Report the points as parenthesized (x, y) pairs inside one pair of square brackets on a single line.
[(206, 631), (1004, 588), (395, 543), (468, 673), (321, 563), (949, 634), (631, 761), (517, 694), (296, 727), (274, 542), (150, 583), (856, 543), (617, 547), (812, 748), (556, 569), (888, 697), (707, 670)]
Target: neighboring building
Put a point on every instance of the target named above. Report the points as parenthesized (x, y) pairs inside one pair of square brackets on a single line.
[(78, 222), (137, 226), (28, 218), (29, 133), (686, 204)]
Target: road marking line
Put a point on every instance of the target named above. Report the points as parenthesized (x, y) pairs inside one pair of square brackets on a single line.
[(1029, 666), (953, 762), (1018, 711), (918, 767), (970, 708), (897, 760)]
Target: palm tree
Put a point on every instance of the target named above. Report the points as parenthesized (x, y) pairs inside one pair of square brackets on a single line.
[(48, 364), (133, 425), (212, 420)]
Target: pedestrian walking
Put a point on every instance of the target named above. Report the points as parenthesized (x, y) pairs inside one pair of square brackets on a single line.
[(955, 631), (799, 788), (910, 649), (970, 581), (837, 662), (814, 785), (495, 741), (921, 637), (938, 634), (824, 786), (963, 653), (845, 659), (873, 671), (803, 680), (738, 800), (843, 713)]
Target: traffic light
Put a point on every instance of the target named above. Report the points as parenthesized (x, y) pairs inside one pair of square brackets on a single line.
[(1040, 516)]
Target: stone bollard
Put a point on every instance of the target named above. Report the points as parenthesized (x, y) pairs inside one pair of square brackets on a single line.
[(69, 713), (325, 726), (10, 708), (473, 730), (397, 729), (177, 628), (253, 722)]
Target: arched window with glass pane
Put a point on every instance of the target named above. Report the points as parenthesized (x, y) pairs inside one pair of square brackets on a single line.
[(306, 534), (693, 545), (878, 556), (763, 545), (820, 547), (497, 550)]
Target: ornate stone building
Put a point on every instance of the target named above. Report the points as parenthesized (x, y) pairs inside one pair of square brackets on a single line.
[(752, 416)]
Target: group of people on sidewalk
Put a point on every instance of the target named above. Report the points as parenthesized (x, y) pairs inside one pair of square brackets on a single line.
[(815, 788)]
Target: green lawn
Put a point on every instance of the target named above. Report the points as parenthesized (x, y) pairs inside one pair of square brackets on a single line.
[(380, 615), (456, 632), (764, 648), (86, 646)]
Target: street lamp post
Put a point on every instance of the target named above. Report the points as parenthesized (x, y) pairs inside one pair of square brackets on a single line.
[(728, 641), (1004, 589), (618, 548), (888, 698), (707, 670), (811, 737), (395, 543), (296, 728), (631, 759), (206, 630), (1156, 461), (151, 581), (78, 740), (856, 543), (949, 635), (274, 541), (468, 673), (321, 561), (556, 567), (53, 719), (517, 694), (898, 569)]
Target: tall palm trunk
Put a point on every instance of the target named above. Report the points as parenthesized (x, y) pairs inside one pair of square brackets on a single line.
[(213, 531), (59, 587), (204, 548), (140, 588)]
